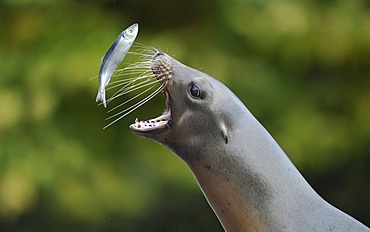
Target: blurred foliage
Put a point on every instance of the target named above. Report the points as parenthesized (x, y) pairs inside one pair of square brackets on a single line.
[(302, 68)]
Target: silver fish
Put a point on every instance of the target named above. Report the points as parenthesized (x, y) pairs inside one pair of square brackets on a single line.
[(114, 57)]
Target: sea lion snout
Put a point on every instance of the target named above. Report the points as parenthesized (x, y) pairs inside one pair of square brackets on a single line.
[(161, 67)]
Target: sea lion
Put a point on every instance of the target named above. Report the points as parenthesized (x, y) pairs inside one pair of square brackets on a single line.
[(246, 177)]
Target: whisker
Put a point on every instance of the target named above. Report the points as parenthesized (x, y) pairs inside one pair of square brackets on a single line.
[(129, 80), (92, 78), (122, 80), (130, 99), (143, 83), (139, 72), (141, 102), (141, 64), (128, 71), (144, 77), (141, 53), (145, 48), (135, 106), (142, 73), (130, 85), (132, 69), (123, 91)]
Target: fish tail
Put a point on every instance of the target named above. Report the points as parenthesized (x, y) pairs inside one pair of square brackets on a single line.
[(101, 97)]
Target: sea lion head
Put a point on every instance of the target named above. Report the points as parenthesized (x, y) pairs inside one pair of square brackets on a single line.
[(199, 109)]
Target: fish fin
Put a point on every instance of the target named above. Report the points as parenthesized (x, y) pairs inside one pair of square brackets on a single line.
[(101, 97)]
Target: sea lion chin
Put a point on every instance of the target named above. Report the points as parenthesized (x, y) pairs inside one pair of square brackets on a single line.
[(246, 177)]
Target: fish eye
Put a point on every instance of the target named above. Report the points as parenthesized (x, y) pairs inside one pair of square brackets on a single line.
[(195, 91)]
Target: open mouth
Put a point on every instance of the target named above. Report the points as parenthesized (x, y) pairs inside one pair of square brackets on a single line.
[(161, 68), (160, 122)]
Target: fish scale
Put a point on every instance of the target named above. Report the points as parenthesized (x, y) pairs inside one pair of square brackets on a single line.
[(113, 57)]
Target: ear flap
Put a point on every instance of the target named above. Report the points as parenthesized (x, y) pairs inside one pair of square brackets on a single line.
[(224, 131)]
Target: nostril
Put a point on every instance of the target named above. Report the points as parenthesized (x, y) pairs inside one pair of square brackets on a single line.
[(158, 54)]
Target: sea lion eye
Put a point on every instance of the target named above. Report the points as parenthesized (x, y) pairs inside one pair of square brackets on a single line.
[(195, 91)]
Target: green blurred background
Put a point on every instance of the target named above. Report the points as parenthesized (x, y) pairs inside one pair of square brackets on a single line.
[(302, 68)]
